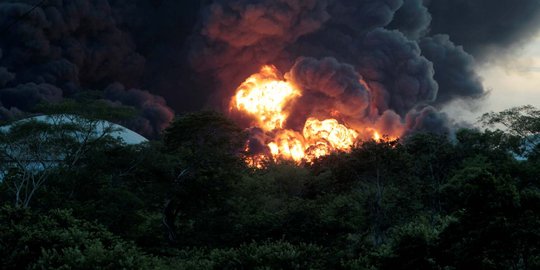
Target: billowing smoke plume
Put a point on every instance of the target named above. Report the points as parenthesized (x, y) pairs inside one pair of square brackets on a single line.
[(155, 115), (331, 85), (455, 69), (391, 63), (484, 27), (61, 48), (338, 52), (412, 19)]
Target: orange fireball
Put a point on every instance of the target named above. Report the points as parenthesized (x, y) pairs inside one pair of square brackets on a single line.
[(327, 136), (264, 95), (338, 136), (288, 145)]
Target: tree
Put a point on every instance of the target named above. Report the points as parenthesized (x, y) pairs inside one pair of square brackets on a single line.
[(383, 171), (487, 208), (31, 150), (523, 122), (256, 255), (209, 147), (57, 240), (434, 159)]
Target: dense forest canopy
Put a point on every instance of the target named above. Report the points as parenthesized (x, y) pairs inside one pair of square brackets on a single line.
[(189, 201)]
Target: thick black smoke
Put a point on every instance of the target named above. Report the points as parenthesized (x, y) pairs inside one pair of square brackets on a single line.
[(61, 48), (330, 84), (484, 27), (155, 115), (412, 19), (372, 70), (399, 59), (454, 69)]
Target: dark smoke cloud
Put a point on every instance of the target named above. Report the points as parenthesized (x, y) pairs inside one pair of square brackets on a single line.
[(62, 48), (237, 37), (427, 119), (397, 57), (155, 115), (394, 69), (328, 82), (6, 114), (412, 19), (5, 75), (67, 42), (485, 26), (26, 96), (356, 17), (160, 30), (455, 69), (350, 32)]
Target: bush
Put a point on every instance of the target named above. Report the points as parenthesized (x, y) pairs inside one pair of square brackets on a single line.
[(266, 255), (57, 240)]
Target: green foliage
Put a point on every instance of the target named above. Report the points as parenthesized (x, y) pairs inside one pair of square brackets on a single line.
[(475, 186), (413, 244), (265, 255), (489, 210), (522, 123), (57, 240), (190, 202), (204, 133), (31, 150)]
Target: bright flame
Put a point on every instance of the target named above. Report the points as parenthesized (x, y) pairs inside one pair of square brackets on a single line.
[(376, 136), (319, 138), (327, 136), (289, 145), (264, 96), (256, 160)]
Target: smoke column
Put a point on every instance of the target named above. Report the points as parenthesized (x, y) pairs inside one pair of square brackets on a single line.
[(391, 63)]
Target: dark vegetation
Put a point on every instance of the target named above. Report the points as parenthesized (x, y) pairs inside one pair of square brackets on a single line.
[(188, 201)]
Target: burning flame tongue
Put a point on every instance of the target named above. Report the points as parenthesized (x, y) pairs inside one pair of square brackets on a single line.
[(288, 144), (327, 136), (265, 96)]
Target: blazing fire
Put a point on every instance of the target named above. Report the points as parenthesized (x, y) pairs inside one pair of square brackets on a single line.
[(266, 97)]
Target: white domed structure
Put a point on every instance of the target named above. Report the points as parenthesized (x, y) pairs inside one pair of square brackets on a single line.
[(60, 142), (128, 136)]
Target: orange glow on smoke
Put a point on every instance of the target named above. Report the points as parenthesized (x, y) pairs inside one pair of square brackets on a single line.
[(265, 97)]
